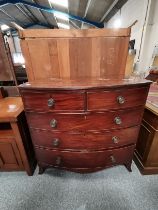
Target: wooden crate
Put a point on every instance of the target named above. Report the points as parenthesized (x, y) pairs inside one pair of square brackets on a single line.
[(59, 53)]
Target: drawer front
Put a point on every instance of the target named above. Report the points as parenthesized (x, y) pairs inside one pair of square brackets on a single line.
[(53, 101), (85, 159), (93, 141), (116, 99), (81, 122)]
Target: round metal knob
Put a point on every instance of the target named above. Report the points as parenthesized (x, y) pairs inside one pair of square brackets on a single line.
[(118, 120), (113, 160), (53, 123), (115, 139), (56, 142), (51, 102), (58, 160), (121, 99)]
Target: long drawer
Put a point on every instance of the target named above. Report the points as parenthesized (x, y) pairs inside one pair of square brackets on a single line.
[(87, 141), (84, 159), (54, 101), (116, 99), (82, 122)]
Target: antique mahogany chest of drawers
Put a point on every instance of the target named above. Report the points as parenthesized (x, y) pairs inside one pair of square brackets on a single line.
[(87, 125)]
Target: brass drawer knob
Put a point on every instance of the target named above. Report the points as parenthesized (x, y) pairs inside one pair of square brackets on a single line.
[(58, 160), (121, 99), (115, 139), (113, 160), (51, 102), (53, 123), (56, 142), (117, 120)]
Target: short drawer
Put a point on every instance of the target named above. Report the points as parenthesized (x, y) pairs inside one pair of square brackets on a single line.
[(53, 101), (116, 99), (85, 159), (82, 122), (93, 141)]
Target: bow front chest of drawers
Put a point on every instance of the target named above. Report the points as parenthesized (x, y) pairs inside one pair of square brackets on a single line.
[(84, 126)]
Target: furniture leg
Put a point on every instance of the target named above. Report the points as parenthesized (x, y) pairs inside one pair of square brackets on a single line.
[(128, 166), (41, 170)]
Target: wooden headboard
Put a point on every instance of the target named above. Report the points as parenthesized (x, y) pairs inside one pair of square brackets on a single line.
[(59, 53)]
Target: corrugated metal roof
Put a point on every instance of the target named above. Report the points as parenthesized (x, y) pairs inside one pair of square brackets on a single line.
[(26, 15)]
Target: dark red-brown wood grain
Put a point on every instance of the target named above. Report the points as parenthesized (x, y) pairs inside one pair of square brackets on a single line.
[(85, 141), (38, 101), (85, 113), (83, 122), (105, 100), (85, 159)]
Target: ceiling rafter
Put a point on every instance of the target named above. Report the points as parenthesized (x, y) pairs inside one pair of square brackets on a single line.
[(86, 10), (37, 23), (31, 25), (28, 11), (11, 17), (43, 15), (53, 14), (21, 9), (109, 10), (74, 24), (14, 2)]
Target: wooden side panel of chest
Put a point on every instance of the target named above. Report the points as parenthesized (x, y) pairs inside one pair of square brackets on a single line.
[(85, 130), (16, 149), (9, 155), (146, 155)]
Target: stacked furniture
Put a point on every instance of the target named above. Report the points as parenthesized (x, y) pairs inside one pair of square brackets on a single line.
[(82, 114)]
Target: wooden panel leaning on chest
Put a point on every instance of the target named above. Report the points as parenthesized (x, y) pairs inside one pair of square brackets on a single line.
[(84, 126), (95, 53)]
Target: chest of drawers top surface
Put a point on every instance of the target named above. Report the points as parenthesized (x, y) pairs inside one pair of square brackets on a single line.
[(88, 84)]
